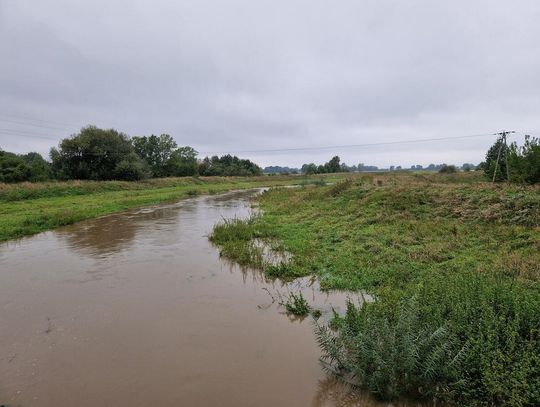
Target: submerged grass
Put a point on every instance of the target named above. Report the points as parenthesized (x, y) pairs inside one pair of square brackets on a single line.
[(30, 208), (453, 262)]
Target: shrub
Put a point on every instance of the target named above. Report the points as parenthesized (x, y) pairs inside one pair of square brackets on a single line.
[(297, 305)]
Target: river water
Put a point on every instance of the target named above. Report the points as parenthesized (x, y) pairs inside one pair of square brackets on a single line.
[(138, 309)]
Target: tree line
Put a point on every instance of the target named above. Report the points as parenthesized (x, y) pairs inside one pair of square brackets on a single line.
[(107, 154)]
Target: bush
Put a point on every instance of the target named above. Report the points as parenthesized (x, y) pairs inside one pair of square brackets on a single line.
[(468, 338)]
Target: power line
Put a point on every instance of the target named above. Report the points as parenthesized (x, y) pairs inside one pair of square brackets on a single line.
[(34, 125), (25, 118), (10, 132), (348, 145)]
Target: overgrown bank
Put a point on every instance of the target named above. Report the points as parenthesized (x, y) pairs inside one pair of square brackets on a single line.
[(453, 262), (28, 208)]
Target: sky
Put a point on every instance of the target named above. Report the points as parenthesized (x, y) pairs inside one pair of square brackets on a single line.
[(246, 77)]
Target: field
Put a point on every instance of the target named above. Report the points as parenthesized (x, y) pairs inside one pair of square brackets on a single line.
[(452, 261), (29, 208)]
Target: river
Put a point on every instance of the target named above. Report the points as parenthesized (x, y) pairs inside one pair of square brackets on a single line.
[(138, 309)]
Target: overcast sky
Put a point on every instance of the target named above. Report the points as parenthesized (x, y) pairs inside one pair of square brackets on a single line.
[(250, 75)]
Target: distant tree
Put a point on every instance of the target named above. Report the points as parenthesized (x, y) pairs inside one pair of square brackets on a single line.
[(182, 162), (467, 167), (280, 170), (309, 169), (156, 152), (228, 165), (333, 165), (447, 169), (97, 154)]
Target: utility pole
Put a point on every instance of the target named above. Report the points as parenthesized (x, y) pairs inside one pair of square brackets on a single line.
[(502, 135)]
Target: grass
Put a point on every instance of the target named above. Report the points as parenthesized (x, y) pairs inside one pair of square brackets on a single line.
[(454, 265), (30, 208)]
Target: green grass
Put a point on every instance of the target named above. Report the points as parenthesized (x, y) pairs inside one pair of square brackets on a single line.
[(454, 265), (28, 208)]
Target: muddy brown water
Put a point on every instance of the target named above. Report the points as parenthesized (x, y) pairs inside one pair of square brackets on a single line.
[(138, 309)]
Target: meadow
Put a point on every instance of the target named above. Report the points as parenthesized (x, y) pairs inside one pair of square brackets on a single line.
[(452, 261), (29, 208)]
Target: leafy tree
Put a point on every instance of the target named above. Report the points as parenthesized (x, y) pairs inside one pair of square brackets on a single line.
[(97, 154), (498, 150), (156, 151), (333, 165), (309, 169), (228, 165), (524, 162), (182, 162), (27, 167)]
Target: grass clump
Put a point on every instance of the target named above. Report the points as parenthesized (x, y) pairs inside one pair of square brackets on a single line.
[(297, 305)]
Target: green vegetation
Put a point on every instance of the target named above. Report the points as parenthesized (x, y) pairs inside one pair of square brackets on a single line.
[(331, 166), (106, 154), (297, 305), (97, 154), (23, 167), (28, 208), (452, 262), (164, 158), (514, 163), (228, 165)]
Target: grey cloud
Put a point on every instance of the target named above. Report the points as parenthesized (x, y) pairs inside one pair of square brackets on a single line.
[(242, 75)]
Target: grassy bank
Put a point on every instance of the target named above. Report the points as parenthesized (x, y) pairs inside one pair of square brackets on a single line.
[(30, 208), (453, 262)]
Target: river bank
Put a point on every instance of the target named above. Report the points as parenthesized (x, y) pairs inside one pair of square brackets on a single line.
[(30, 208), (454, 265)]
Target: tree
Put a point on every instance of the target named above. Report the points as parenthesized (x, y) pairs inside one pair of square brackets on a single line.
[(524, 162), (156, 151), (182, 162), (496, 159), (27, 167), (309, 169), (333, 165), (97, 154), (448, 169), (228, 165)]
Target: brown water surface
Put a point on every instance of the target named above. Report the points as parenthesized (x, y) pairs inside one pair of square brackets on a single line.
[(137, 309)]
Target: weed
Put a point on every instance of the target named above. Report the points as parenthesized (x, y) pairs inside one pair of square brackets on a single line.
[(297, 305)]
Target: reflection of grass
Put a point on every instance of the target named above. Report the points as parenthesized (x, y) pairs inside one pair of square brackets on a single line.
[(468, 252), (27, 208)]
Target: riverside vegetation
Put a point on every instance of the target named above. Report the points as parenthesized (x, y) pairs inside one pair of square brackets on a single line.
[(453, 264), (28, 208)]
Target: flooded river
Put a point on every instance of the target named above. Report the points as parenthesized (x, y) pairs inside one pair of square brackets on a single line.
[(137, 309)]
